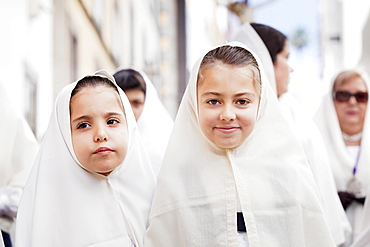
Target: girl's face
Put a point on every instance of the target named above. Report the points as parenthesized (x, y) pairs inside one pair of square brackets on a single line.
[(351, 114), (137, 99), (227, 104), (99, 129), (282, 70)]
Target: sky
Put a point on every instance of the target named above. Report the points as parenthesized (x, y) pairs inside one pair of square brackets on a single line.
[(287, 16)]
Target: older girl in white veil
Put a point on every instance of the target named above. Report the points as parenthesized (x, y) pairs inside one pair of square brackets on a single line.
[(231, 156), (92, 183), (270, 44)]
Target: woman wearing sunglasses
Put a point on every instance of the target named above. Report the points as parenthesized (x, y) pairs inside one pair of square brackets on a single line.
[(342, 121)]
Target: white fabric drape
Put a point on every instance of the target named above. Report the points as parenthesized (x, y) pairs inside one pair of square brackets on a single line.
[(341, 162), (18, 151), (65, 205), (195, 201), (363, 239), (308, 136), (155, 124)]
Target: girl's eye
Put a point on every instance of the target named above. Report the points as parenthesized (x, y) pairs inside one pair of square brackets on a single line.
[(112, 121), (83, 125), (212, 101), (242, 102), (136, 104)]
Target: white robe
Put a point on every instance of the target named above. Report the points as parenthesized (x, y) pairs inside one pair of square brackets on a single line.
[(63, 204), (363, 239), (195, 202)]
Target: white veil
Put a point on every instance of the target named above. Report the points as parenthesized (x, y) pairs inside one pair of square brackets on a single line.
[(195, 202), (63, 204)]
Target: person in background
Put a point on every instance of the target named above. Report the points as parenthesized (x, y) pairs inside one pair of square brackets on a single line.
[(233, 172), (92, 182), (273, 47), (344, 123), (18, 151), (154, 122)]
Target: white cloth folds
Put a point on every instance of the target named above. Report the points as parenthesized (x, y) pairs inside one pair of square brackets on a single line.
[(195, 202), (66, 205), (341, 162)]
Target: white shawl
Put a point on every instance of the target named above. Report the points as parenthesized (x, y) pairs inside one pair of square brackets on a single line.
[(66, 205), (308, 136), (18, 150), (341, 162), (195, 202)]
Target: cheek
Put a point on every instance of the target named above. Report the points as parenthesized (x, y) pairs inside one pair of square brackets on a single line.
[(79, 147)]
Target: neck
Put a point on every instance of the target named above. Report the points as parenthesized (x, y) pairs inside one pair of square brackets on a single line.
[(352, 140)]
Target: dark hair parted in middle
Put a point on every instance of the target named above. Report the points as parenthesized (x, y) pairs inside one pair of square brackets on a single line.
[(233, 56), (130, 79), (92, 81), (274, 40)]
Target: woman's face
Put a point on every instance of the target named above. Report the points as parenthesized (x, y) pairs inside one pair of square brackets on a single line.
[(137, 100), (227, 104), (351, 114), (99, 129), (282, 70)]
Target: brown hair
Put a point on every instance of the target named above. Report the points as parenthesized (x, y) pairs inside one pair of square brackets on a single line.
[(93, 81), (130, 79), (345, 76), (234, 56)]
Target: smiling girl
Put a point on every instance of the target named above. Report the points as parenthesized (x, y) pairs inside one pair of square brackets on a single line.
[(233, 173), (84, 188)]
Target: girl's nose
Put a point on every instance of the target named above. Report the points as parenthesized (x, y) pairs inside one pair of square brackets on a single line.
[(227, 114), (100, 135)]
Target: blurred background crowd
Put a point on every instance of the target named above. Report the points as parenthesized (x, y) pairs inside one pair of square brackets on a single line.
[(47, 44)]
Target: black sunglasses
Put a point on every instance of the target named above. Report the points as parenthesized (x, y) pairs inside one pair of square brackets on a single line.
[(344, 96)]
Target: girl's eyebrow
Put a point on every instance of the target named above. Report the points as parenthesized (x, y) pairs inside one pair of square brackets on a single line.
[(237, 95), (87, 117)]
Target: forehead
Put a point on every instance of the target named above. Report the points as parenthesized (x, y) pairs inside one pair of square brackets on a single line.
[(99, 97), (356, 83)]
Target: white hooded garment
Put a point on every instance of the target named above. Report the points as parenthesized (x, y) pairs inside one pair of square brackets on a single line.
[(195, 202), (63, 204), (155, 124), (340, 159), (308, 136), (18, 151)]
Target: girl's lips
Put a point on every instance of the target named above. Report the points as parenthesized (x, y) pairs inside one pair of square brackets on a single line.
[(103, 150), (227, 130)]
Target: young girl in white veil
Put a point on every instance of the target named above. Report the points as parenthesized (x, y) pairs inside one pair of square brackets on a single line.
[(233, 173), (91, 183)]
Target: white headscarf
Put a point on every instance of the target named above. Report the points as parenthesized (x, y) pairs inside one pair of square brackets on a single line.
[(341, 162), (63, 204), (308, 136), (195, 202), (155, 124), (18, 150)]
